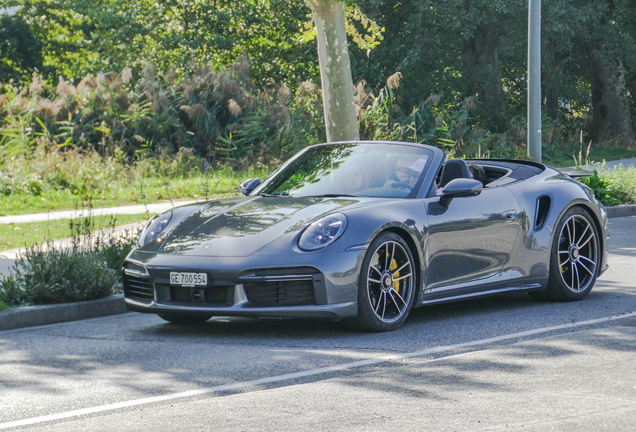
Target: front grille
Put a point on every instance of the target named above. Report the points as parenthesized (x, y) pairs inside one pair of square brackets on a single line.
[(281, 293), (213, 294), (138, 288)]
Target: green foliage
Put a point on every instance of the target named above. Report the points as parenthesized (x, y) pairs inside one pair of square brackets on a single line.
[(217, 115), (57, 277), (16, 235), (622, 183), (81, 38), (72, 179), (445, 50), (602, 189), (460, 49), (3, 305), (20, 51), (88, 268), (448, 126)]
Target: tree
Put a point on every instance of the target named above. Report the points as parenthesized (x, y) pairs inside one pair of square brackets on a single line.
[(79, 38), (610, 103), (19, 50), (335, 70)]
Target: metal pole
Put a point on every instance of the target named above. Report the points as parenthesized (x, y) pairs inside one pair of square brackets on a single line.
[(534, 79)]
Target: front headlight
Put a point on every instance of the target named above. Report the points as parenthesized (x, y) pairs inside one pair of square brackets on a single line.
[(154, 227), (323, 232)]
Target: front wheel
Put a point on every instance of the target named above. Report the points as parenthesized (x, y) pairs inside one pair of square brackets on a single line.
[(387, 284), (575, 258)]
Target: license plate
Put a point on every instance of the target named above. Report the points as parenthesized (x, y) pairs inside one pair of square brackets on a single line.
[(188, 279)]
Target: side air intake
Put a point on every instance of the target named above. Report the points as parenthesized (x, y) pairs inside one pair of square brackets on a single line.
[(543, 208)]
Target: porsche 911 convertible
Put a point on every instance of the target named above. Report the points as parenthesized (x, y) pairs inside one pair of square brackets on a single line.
[(366, 231)]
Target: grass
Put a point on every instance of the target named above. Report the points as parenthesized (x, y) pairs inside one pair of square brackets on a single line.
[(117, 193), (596, 155), (14, 236), (3, 306), (622, 182)]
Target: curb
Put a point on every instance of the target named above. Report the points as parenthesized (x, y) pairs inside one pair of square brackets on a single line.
[(30, 316), (621, 211)]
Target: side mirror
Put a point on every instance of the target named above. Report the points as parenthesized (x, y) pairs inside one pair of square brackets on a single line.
[(248, 185), (461, 187)]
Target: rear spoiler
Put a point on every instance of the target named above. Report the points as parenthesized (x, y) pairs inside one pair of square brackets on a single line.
[(577, 172)]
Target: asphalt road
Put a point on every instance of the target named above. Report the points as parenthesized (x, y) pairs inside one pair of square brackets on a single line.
[(504, 362)]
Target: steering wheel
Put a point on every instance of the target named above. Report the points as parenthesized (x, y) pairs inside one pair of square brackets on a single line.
[(402, 185)]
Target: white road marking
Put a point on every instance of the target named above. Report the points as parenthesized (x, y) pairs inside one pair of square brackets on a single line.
[(303, 374)]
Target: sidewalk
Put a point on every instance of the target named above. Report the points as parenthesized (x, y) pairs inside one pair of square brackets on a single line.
[(151, 209), (626, 163)]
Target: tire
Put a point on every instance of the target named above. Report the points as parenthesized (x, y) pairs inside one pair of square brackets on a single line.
[(386, 285), (184, 319), (574, 258)]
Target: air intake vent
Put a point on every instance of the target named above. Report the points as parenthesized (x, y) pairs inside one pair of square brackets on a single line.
[(281, 292), (543, 208), (138, 288)]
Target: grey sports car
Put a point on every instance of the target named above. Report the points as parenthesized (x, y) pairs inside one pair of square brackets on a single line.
[(365, 231)]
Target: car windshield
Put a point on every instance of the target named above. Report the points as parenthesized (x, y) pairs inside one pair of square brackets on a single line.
[(356, 169)]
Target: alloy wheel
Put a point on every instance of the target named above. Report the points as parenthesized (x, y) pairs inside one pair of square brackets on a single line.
[(390, 281), (577, 253)]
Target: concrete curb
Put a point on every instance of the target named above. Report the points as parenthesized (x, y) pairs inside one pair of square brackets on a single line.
[(621, 211), (30, 316)]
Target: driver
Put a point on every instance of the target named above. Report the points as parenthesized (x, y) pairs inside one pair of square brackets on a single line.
[(414, 171), (401, 174), (407, 174)]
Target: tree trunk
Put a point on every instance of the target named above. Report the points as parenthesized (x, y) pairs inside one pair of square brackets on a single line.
[(610, 105), (335, 70), (483, 51)]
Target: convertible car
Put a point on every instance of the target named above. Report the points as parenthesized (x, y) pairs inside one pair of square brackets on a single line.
[(365, 231)]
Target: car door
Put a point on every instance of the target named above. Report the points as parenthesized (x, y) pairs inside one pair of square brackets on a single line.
[(470, 239)]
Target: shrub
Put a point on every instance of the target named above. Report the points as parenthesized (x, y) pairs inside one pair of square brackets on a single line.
[(213, 114), (622, 182), (88, 269), (57, 276), (602, 189)]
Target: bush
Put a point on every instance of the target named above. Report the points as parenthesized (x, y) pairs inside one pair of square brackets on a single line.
[(213, 114), (602, 189), (622, 182), (88, 269), (57, 276)]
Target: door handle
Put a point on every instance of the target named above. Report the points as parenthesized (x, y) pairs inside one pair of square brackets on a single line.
[(510, 214)]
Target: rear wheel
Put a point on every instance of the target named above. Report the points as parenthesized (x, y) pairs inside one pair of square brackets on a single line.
[(575, 258), (184, 319), (386, 286)]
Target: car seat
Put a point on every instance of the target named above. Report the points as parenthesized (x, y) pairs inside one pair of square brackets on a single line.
[(454, 169)]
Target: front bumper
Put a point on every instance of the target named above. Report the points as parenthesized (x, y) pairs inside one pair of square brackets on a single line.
[(308, 286), (336, 311)]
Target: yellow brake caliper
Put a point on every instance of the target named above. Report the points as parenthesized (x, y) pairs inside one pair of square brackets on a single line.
[(396, 284)]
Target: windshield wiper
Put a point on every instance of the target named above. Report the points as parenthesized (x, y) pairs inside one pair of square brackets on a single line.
[(274, 194), (331, 196)]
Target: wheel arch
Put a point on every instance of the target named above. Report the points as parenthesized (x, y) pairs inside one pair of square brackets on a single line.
[(415, 251), (596, 218)]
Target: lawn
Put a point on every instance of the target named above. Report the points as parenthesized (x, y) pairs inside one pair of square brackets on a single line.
[(117, 193), (13, 236)]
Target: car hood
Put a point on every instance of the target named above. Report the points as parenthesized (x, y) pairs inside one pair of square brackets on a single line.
[(242, 226)]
